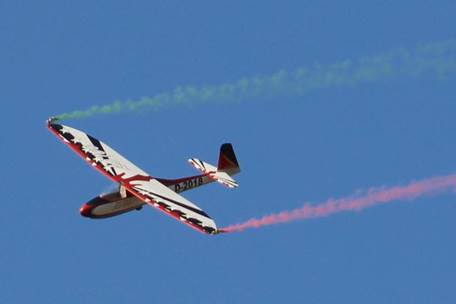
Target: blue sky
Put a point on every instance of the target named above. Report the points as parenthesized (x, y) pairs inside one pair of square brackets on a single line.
[(60, 56)]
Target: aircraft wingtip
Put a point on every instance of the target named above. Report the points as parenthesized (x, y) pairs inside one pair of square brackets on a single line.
[(51, 120), (218, 231)]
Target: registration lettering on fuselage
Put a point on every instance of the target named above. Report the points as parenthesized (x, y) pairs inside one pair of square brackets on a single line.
[(188, 184)]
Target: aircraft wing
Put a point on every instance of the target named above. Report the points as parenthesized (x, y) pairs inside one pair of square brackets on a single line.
[(136, 181)]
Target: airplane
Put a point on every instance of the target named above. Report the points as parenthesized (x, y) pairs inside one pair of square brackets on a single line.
[(137, 188)]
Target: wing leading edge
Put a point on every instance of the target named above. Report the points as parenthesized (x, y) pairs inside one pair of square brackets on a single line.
[(117, 168)]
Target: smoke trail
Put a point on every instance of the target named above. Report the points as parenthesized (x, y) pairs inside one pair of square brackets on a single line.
[(374, 196), (433, 59)]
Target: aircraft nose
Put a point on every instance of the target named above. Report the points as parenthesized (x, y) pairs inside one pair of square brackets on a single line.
[(86, 210)]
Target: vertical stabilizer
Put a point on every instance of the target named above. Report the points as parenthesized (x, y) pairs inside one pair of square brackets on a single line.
[(227, 160)]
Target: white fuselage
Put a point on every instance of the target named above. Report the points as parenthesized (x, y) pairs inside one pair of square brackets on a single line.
[(117, 207), (115, 203)]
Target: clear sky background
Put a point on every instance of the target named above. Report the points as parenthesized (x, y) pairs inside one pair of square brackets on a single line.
[(60, 56)]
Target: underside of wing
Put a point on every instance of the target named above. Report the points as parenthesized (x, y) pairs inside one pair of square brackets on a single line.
[(113, 165)]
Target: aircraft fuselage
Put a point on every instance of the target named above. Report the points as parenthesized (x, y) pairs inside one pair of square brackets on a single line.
[(112, 204)]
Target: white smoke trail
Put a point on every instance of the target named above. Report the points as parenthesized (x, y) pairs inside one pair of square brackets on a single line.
[(431, 59)]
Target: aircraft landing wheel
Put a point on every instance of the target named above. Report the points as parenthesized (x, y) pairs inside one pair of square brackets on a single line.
[(139, 208)]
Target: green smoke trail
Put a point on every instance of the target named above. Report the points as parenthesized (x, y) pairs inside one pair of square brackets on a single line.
[(431, 59)]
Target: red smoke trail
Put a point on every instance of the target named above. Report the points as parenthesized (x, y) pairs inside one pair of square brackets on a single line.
[(373, 196)]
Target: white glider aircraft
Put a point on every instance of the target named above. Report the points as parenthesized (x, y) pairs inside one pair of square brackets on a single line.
[(137, 188)]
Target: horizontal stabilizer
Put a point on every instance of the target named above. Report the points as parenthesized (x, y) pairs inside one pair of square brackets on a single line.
[(219, 176)]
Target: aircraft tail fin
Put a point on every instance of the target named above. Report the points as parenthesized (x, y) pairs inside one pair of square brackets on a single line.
[(227, 166), (227, 160)]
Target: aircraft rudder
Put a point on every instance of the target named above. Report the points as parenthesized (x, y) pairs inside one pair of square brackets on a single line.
[(227, 160)]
